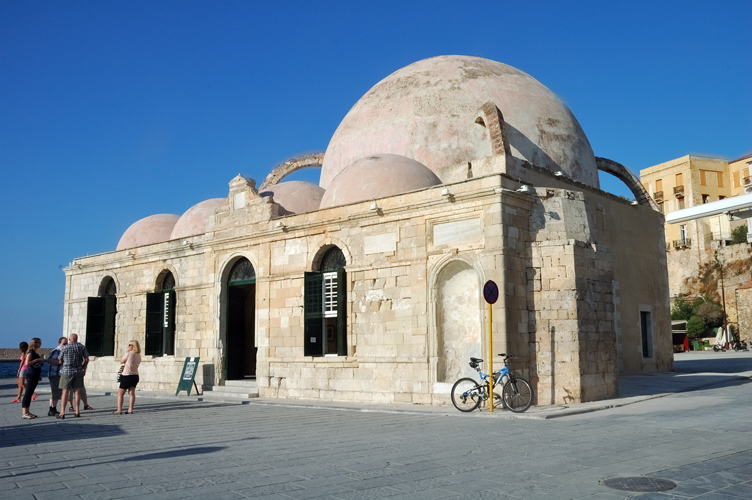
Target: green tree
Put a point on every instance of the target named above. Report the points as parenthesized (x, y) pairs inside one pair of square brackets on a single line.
[(682, 309), (739, 235), (711, 312), (695, 327)]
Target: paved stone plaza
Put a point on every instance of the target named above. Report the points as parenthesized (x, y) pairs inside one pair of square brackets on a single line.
[(700, 438)]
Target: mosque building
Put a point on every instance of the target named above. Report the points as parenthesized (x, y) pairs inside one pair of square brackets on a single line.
[(449, 172)]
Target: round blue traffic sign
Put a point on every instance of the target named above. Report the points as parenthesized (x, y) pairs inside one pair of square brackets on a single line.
[(490, 292)]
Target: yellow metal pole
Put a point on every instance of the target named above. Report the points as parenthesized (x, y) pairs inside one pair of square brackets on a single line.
[(490, 357)]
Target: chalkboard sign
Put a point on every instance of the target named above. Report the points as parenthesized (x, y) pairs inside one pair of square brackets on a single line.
[(188, 375)]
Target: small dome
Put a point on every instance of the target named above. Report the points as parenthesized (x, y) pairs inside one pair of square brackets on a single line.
[(195, 220), (147, 231), (427, 111), (296, 197), (377, 176)]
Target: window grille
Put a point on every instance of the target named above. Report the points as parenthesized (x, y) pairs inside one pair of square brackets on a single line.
[(111, 288), (168, 282), (333, 259), (330, 295), (242, 272)]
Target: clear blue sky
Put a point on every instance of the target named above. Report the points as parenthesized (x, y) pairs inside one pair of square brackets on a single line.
[(113, 111)]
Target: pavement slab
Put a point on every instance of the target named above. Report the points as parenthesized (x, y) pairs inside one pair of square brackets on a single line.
[(690, 426)]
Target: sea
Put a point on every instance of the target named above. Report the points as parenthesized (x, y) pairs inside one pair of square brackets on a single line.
[(8, 369)]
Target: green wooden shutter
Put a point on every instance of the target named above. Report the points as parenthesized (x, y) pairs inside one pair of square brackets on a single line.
[(314, 314), (108, 337), (95, 320), (341, 312), (169, 325), (154, 328)]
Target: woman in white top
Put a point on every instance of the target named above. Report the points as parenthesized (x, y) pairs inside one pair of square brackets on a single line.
[(129, 377)]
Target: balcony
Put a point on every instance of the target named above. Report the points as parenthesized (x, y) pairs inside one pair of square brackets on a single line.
[(658, 196), (682, 244), (679, 191)]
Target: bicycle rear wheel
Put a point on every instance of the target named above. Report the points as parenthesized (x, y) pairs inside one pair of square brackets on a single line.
[(517, 395), (466, 394)]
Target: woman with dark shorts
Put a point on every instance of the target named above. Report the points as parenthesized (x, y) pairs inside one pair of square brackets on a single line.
[(23, 347), (129, 377), (33, 362)]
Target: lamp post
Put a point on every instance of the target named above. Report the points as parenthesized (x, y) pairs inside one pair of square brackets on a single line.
[(719, 263)]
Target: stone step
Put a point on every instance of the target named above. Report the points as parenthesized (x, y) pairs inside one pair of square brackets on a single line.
[(233, 389), (250, 382), (220, 395)]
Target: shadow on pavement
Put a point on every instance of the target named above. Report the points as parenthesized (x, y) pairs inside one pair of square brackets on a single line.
[(653, 385), (25, 434), (715, 362), (182, 452)]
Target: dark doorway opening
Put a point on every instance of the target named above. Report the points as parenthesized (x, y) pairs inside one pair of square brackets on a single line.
[(241, 320)]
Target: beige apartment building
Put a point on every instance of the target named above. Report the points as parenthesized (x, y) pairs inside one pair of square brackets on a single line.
[(687, 182)]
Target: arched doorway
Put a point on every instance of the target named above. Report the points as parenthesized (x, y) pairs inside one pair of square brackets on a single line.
[(458, 321), (241, 321)]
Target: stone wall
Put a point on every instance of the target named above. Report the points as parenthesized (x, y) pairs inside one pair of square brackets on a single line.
[(743, 296), (12, 353), (556, 254), (700, 276)]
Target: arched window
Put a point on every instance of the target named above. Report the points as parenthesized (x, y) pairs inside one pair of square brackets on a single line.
[(160, 317), (242, 273), (326, 306), (168, 282), (100, 320), (110, 288)]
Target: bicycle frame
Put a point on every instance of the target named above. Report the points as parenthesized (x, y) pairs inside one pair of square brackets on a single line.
[(499, 376)]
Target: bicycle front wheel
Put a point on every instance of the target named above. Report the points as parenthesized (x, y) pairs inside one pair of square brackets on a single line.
[(517, 395), (466, 394)]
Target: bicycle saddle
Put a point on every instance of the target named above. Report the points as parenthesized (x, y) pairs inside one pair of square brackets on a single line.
[(476, 360)]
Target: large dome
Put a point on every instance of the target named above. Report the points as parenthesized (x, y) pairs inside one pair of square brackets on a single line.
[(196, 219), (426, 111), (147, 231), (377, 176), (296, 197)]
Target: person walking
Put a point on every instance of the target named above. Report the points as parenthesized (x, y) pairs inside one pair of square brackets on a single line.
[(84, 397), (75, 359), (23, 347), (129, 377), (33, 363), (55, 360)]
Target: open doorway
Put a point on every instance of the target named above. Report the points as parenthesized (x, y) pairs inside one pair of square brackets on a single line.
[(241, 321)]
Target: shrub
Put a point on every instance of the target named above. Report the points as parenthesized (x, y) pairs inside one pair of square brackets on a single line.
[(739, 235), (711, 312), (695, 327), (682, 309)]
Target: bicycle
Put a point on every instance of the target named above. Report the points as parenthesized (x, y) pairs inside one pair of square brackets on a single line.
[(516, 393)]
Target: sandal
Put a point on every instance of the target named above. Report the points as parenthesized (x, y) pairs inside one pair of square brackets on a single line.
[(16, 401), (87, 407), (34, 397), (61, 416), (117, 412), (29, 416)]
